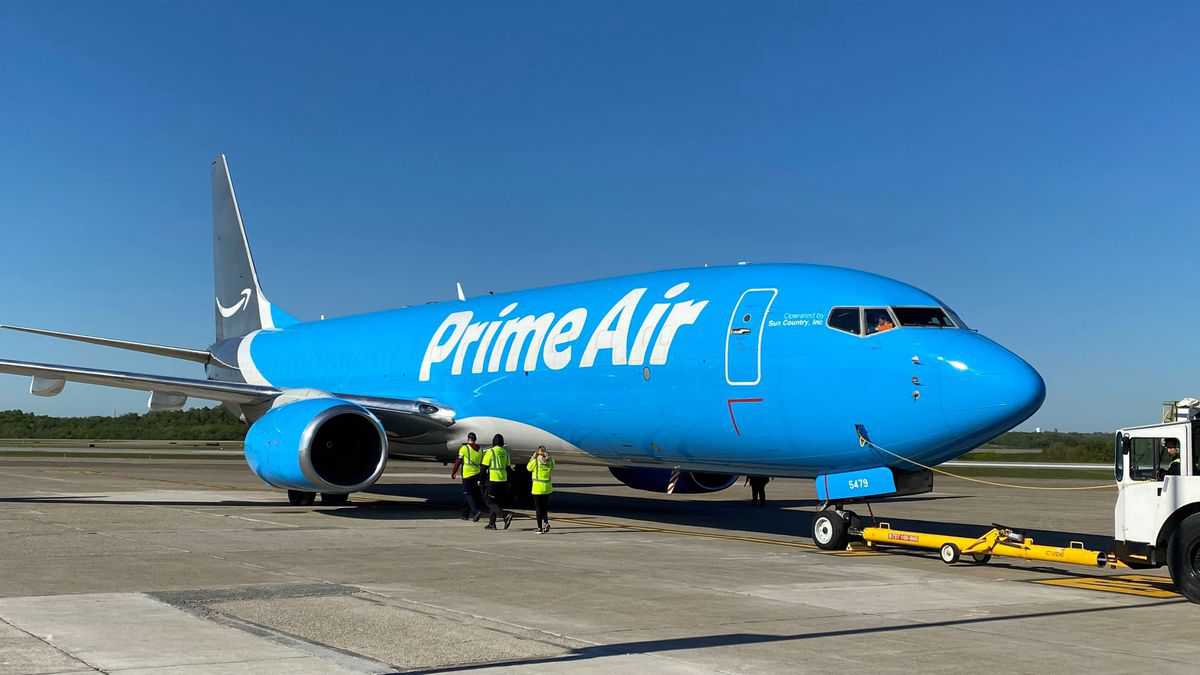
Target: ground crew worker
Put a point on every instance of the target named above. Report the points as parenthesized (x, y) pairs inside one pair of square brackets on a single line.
[(758, 489), (470, 460), (1171, 445), (541, 466), (496, 459)]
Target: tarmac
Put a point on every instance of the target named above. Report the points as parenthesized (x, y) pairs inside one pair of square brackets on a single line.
[(191, 567)]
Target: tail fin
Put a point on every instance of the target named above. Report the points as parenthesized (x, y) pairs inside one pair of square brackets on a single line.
[(241, 308)]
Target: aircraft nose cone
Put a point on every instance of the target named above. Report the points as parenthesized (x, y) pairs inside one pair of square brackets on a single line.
[(989, 389)]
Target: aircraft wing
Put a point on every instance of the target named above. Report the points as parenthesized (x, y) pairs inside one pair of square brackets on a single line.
[(231, 392), (197, 355), (400, 417)]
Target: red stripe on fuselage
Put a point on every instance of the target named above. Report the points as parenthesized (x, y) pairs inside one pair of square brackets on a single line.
[(729, 404)]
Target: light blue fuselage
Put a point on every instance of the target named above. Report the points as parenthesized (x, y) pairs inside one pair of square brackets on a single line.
[(778, 393)]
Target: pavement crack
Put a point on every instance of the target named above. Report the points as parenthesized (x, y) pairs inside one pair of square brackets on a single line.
[(53, 646)]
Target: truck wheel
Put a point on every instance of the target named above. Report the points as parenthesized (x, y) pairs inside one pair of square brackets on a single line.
[(949, 553), (981, 558), (1183, 557), (829, 531)]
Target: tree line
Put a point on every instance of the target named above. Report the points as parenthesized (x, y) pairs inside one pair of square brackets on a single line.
[(214, 424), (196, 424), (1055, 446)]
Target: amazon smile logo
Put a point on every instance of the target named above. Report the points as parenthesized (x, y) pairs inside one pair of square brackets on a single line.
[(238, 306)]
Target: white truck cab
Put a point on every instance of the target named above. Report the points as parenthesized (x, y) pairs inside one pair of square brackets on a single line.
[(1158, 508)]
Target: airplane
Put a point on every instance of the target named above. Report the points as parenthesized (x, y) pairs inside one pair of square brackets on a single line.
[(679, 381)]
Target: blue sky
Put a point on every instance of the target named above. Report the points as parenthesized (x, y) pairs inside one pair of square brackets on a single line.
[(1036, 165)]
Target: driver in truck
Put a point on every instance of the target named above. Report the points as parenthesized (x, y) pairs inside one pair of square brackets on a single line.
[(1171, 448)]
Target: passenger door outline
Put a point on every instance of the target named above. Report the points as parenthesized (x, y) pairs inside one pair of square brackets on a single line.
[(738, 310)]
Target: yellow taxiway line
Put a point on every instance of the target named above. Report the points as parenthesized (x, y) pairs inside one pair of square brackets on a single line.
[(1145, 585)]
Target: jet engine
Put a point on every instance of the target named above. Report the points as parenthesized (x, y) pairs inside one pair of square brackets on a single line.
[(659, 480), (322, 445)]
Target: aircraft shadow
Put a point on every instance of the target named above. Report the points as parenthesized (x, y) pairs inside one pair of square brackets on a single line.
[(787, 517), (379, 510)]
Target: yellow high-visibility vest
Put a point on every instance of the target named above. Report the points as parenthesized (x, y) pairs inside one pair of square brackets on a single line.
[(472, 460), (496, 460), (541, 475)]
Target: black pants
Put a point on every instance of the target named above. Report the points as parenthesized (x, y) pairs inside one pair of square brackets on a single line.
[(542, 504), (758, 491), (496, 494), (472, 496)]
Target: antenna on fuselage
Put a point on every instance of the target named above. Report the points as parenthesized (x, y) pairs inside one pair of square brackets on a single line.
[(462, 297)]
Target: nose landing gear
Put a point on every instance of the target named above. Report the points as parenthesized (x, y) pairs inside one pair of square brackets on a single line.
[(831, 528)]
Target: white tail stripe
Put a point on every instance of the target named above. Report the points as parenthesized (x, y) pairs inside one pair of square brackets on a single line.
[(246, 363)]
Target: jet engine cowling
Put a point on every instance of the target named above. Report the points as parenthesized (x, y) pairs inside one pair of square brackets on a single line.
[(323, 445), (660, 480)]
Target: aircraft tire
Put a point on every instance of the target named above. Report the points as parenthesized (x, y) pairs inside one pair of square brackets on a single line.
[(301, 498), (1183, 557), (829, 531), (335, 498)]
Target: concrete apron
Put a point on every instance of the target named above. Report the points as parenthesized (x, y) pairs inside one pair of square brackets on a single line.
[(131, 633)]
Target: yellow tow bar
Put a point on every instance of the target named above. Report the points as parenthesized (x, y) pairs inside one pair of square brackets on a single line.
[(999, 541)]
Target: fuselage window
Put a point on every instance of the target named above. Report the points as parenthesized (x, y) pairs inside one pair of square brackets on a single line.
[(924, 317), (845, 319), (878, 320)]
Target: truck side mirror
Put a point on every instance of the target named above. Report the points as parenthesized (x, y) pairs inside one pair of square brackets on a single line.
[(1125, 445)]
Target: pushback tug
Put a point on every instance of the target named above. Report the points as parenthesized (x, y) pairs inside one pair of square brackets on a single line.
[(1157, 515)]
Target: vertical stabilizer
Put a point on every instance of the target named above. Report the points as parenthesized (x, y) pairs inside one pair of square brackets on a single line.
[(241, 308)]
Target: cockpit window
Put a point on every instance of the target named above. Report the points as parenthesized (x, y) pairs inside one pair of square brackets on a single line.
[(878, 320), (926, 317), (956, 318), (845, 319)]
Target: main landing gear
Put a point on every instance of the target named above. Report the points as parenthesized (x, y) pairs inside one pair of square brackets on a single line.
[(302, 498)]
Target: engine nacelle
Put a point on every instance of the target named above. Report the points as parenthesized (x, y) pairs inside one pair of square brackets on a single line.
[(317, 445), (659, 480)]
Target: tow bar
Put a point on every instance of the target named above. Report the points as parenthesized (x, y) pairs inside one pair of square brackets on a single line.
[(999, 541)]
